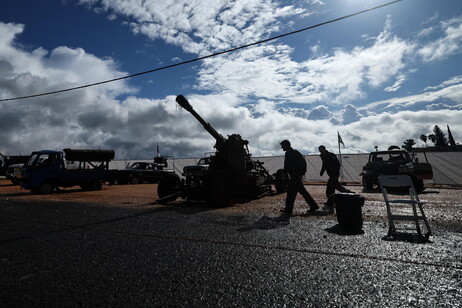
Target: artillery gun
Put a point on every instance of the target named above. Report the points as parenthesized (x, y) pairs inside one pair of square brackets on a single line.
[(231, 172)]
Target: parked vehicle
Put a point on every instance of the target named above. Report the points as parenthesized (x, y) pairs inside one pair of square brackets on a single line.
[(140, 172), (47, 170), (395, 162), (7, 160), (192, 171), (194, 176), (13, 173)]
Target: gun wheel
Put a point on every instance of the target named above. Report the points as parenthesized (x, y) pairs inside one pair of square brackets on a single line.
[(218, 191), (167, 188)]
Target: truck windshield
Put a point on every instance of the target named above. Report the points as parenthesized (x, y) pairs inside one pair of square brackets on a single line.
[(41, 159), (390, 156), (204, 161), (32, 159)]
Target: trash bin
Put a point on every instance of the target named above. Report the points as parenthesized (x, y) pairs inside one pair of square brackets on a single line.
[(348, 207)]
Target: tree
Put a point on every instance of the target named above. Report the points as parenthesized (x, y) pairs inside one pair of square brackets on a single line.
[(424, 139), (408, 144), (438, 138)]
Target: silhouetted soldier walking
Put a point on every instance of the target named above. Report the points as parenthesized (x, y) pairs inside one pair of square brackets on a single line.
[(295, 166), (331, 165)]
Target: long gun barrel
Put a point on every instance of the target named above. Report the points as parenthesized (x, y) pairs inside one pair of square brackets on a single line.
[(180, 99)]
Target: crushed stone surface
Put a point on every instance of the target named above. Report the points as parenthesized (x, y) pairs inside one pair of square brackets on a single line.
[(114, 247)]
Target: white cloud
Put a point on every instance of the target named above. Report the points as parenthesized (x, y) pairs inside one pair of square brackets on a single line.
[(64, 118), (399, 81), (350, 114), (426, 31), (265, 71), (320, 113), (442, 106), (315, 48), (448, 91), (431, 19), (270, 72), (201, 27), (249, 89), (38, 71), (452, 81), (387, 129), (448, 45)]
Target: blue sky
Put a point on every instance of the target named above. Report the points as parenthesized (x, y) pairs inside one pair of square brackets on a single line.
[(378, 78)]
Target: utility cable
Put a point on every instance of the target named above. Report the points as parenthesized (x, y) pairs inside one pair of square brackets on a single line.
[(204, 57)]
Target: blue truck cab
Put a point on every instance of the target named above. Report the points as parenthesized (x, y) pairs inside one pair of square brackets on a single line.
[(47, 170)]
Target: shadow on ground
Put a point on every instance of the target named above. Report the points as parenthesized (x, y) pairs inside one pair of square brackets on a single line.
[(339, 230), (266, 222)]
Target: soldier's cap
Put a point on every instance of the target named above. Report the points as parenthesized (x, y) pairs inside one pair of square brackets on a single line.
[(285, 142)]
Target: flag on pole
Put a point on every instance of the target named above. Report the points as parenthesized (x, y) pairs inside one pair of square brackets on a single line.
[(340, 141), (451, 138)]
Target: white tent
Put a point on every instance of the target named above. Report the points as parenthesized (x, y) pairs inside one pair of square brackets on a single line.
[(447, 166)]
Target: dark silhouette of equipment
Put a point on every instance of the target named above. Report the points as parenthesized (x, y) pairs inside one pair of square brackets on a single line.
[(231, 172)]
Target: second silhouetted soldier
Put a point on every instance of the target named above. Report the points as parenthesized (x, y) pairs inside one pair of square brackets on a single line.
[(331, 165), (295, 166)]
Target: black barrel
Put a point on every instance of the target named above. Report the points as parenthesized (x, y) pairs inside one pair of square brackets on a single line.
[(348, 207), (89, 155)]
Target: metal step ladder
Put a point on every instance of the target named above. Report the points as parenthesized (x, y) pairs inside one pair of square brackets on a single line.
[(403, 183)]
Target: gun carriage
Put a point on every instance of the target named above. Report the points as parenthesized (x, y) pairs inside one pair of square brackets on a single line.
[(231, 172)]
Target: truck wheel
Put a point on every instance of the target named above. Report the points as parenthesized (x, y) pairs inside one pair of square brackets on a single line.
[(218, 191), (168, 186), (121, 181), (47, 188), (135, 180), (96, 185)]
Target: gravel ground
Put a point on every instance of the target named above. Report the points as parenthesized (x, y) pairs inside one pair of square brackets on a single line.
[(115, 248)]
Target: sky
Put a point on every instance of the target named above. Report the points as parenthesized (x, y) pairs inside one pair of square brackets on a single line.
[(376, 78)]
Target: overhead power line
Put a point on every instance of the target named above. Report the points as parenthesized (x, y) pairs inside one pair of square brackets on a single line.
[(201, 58)]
